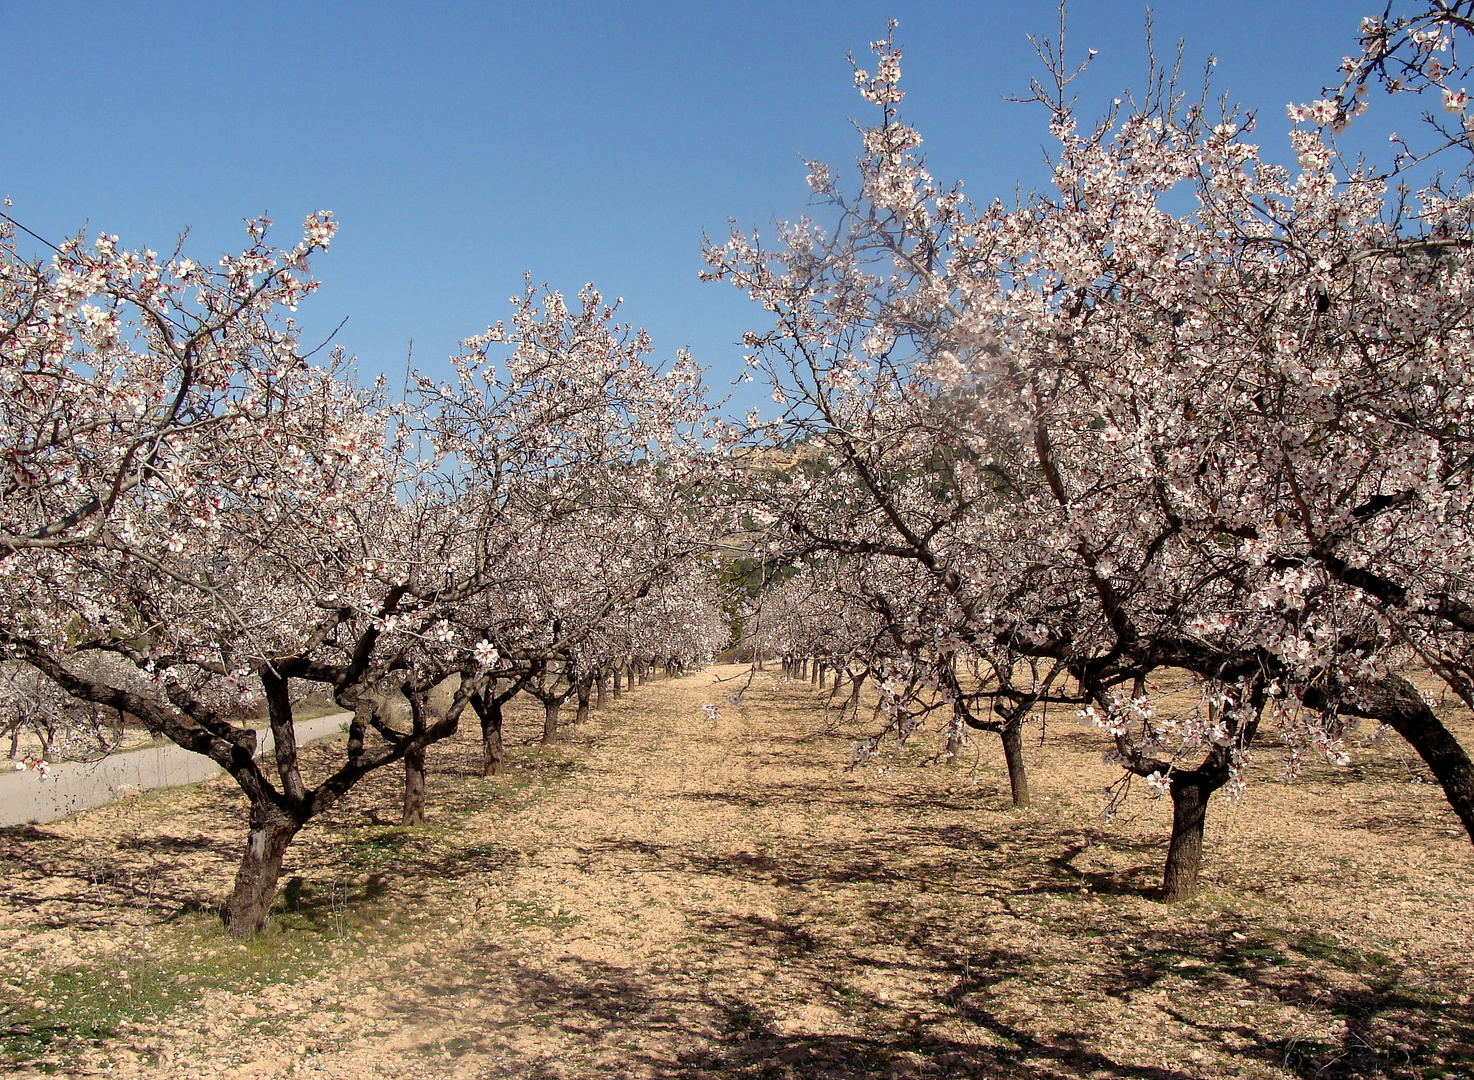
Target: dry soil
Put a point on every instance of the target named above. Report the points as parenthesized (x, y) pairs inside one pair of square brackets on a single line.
[(671, 895)]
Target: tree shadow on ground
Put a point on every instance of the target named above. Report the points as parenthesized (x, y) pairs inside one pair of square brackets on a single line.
[(71, 884), (606, 1018), (1222, 982)]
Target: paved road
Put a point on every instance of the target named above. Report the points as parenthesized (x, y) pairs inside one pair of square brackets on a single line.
[(69, 786)]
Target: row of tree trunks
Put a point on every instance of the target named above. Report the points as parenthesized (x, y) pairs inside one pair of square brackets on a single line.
[(273, 827), (808, 669)]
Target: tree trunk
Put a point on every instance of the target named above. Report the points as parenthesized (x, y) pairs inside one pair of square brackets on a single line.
[(600, 686), (414, 788), (1013, 753), (584, 687), (1397, 703), (1185, 853), (550, 721), (492, 749), (488, 707), (271, 833), (614, 681), (854, 702)]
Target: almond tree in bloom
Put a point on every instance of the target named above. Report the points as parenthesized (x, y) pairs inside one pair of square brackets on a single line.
[(815, 624), (578, 470), (1228, 441), (1411, 48), (187, 496), (676, 626), (45, 724), (242, 526)]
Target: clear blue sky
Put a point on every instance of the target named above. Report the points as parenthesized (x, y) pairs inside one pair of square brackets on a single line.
[(461, 144)]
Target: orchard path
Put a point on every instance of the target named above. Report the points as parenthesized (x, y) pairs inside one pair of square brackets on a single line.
[(676, 896), (663, 908)]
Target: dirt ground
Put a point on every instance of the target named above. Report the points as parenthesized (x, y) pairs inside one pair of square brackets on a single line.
[(669, 895)]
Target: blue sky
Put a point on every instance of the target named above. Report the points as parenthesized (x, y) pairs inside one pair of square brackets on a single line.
[(463, 144)]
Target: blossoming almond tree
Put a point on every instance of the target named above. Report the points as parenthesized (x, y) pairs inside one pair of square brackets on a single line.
[(1127, 440), (46, 725), (577, 468), (188, 496)]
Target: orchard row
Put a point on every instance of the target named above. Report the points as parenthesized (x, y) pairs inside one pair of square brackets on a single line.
[(1191, 414)]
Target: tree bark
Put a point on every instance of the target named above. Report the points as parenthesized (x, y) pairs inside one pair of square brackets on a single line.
[(1013, 754), (271, 833), (550, 721), (492, 748), (615, 680), (584, 686), (1397, 703), (600, 686), (854, 702), (414, 788), (1185, 853)]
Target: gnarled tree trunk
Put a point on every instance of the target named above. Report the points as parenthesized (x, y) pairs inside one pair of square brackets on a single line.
[(1396, 702), (255, 881), (585, 686), (1013, 755), (551, 709), (489, 711), (414, 788)]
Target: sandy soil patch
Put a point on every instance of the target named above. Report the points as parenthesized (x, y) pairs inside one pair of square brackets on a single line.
[(672, 896)]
